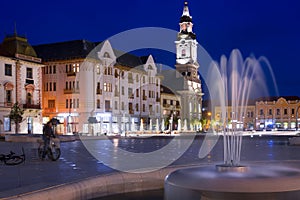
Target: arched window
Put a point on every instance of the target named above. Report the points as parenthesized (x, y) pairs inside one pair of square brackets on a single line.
[(183, 53), (29, 98)]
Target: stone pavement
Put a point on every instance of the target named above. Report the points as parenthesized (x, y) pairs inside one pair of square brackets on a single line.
[(78, 175)]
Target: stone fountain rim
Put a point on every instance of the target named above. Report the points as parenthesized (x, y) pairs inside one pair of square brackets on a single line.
[(197, 182)]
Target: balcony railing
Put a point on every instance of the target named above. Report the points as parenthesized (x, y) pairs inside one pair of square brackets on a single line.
[(71, 91), (6, 104), (71, 74), (108, 109), (99, 91), (32, 106)]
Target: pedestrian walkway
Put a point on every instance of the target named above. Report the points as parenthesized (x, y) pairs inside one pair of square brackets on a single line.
[(77, 174)]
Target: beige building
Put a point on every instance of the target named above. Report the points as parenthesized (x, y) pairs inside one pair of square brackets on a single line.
[(20, 81), (277, 112), (267, 113), (85, 83)]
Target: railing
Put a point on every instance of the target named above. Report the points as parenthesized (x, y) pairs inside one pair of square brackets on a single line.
[(71, 73), (99, 91), (108, 109), (71, 91), (6, 104), (32, 106), (50, 110)]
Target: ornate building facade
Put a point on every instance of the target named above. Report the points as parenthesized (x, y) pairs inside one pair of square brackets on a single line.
[(86, 83), (187, 68), (20, 81)]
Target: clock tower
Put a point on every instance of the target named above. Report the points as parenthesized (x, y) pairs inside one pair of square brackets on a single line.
[(186, 47), (187, 67)]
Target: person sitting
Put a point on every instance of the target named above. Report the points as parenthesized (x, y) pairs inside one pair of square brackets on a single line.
[(47, 134)]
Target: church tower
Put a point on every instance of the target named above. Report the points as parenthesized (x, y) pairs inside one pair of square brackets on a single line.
[(186, 47), (187, 66)]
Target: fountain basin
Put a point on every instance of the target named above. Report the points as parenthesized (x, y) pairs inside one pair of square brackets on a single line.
[(259, 181)]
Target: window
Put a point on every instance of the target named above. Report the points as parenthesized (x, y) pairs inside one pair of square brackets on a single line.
[(137, 107), (98, 103), (98, 85), (144, 108), (270, 111), (137, 93), (50, 86), (67, 103), (77, 85), (130, 92), (183, 53), (46, 86), (98, 69), (50, 69), (66, 68), (123, 92), (47, 69), (116, 105), (66, 85), (285, 111), (277, 111), (6, 124), (261, 112), (54, 69), (54, 86), (71, 103), (293, 111), (8, 96), (107, 87), (51, 103), (29, 72), (122, 105), (8, 70), (77, 103)]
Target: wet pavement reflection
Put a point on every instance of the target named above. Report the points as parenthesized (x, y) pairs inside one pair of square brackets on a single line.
[(77, 163)]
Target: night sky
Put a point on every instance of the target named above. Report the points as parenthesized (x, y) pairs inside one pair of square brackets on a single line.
[(257, 27)]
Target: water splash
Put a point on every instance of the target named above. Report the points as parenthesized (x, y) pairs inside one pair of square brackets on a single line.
[(232, 83)]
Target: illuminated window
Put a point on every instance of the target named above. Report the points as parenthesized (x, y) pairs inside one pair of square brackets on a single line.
[(183, 53), (107, 87)]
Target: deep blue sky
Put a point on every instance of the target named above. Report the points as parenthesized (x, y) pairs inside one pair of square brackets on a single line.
[(260, 27)]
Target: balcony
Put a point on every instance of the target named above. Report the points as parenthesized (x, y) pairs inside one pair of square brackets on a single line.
[(71, 73), (108, 109), (31, 106), (71, 91), (131, 112), (99, 91), (6, 104), (50, 110)]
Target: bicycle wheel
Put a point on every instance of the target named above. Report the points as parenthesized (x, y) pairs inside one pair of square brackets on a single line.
[(14, 160), (54, 154)]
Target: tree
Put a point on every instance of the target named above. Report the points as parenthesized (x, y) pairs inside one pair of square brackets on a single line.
[(16, 115)]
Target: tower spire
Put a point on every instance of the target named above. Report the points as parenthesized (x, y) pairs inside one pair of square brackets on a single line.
[(186, 10)]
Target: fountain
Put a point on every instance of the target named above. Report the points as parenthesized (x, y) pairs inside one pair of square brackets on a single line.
[(236, 81)]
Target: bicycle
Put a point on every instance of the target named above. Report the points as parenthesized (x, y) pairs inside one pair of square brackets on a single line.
[(53, 151), (12, 158)]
